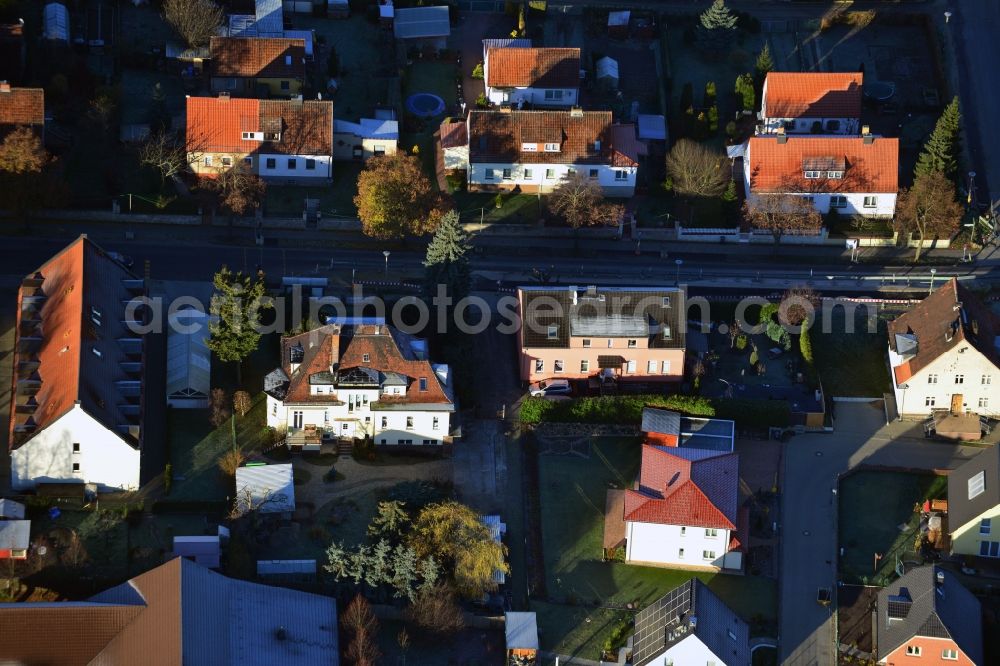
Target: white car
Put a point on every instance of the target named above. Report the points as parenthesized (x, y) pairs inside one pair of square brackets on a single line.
[(549, 387)]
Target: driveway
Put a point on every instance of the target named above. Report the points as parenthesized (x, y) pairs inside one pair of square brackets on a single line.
[(813, 463), (467, 37)]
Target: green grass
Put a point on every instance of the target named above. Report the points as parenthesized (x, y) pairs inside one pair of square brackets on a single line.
[(428, 77), (866, 373), (335, 200), (481, 207), (573, 492), (872, 506)]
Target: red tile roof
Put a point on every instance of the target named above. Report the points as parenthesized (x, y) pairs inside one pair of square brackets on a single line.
[(306, 127), (216, 125), (779, 167), (949, 317), (685, 487), (454, 135), (258, 57), (22, 106), (812, 95), (499, 136), (533, 68)]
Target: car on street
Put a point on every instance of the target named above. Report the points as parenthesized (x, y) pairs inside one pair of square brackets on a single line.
[(549, 387)]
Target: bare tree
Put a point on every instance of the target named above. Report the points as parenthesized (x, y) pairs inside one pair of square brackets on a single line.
[(164, 153), (928, 209), (436, 611), (242, 402), (218, 406), (230, 462), (238, 189), (781, 214), (697, 170), (194, 20), (246, 503), (359, 620), (580, 201)]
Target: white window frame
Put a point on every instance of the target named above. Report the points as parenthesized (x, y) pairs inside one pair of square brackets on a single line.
[(539, 365), (932, 378), (986, 380), (585, 365), (836, 175), (711, 532), (632, 344), (630, 366), (913, 651), (651, 367), (976, 485), (552, 332), (528, 174), (930, 401), (811, 175), (586, 343), (949, 654), (435, 423), (550, 174), (666, 367), (960, 378), (529, 147), (621, 174), (870, 201), (708, 555), (985, 526), (489, 174), (984, 403), (507, 174), (557, 365), (551, 147), (227, 161), (838, 201)]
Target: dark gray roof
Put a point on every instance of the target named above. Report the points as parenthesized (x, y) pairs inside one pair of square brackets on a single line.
[(690, 609), (661, 421), (390, 378), (712, 434), (942, 609), (962, 509), (276, 384)]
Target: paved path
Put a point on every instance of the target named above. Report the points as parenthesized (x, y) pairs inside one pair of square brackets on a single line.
[(813, 464)]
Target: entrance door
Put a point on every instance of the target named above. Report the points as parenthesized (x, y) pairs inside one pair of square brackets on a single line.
[(297, 420), (956, 403)]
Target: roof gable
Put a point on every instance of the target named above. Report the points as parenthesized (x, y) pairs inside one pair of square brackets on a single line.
[(533, 68), (961, 507), (778, 164), (813, 95)]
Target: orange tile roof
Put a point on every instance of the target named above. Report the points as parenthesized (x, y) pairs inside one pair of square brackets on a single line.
[(779, 167), (306, 126), (533, 68), (454, 135), (258, 57), (22, 106), (216, 124), (812, 95)]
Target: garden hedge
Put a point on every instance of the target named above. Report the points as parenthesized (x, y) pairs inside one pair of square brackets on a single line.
[(627, 409)]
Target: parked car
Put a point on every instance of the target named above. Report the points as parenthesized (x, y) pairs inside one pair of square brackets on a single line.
[(549, 387)]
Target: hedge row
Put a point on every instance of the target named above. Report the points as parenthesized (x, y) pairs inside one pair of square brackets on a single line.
[(627, 409)]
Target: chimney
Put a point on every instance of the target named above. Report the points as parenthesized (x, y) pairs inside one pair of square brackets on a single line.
[(576, 112), (223, 97), (782, 137), (4, 86), (867, 136)]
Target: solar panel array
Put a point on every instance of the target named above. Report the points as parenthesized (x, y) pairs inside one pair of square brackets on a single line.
[(654, 623)]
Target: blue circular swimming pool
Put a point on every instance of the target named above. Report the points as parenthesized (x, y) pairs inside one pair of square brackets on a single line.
[(425, 105)]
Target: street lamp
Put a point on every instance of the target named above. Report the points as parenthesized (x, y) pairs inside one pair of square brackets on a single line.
[(900, 408), (947, 16), (933, 273), (386, 253), (972, 189), (679, 262)]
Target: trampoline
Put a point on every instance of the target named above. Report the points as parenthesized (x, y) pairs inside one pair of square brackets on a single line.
[(425, 105)]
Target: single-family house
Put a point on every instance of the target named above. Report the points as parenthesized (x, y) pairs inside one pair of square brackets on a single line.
[(453, 138), (369, 137), (534, 151), (257, 66), (15, 539), (189, 361), (943, 357), (79, 382), (973, 505), (535, 76), (690, 625), (422, 27), (849, 175), (286, 141), (177, 613), (504, 43), (602, 334), (684, 510), (21, 107), (11, 509), (266, 489), (811, 103), (521, 634), (352, 381), (928, 617)]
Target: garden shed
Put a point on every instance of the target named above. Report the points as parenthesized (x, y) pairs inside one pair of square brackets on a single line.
[(607, 73)]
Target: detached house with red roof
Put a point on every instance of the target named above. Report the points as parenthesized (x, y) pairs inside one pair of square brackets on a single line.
[(351, 381), (79, 388), (258, 66), (536, 76), (21, 107), (534, 151), (811, 103), (849, 175), (290, 141)]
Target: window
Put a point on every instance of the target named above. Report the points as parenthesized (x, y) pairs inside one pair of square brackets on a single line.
[(708, 554), (95, 316), (310, 164), (666, 367), (610, 343), (680, 553), (986, 380), (932, 379), (631, 344), (930, 401), (367, 358), (208, 160), (557, 366), (977, 485), (913, 650), (651, 367), (630, 366), (552, 147), (584, 365), (552, 331), (378, 150), (570, 172), (836, 175), (423, 383), (489, 174), (984, 402), (984, 526), (284, 85), (506, 174), (593, 174), (666, 331), (271, 163), (870, 202), (76, 447), (385, 421), (553, 94), (683, 531), (550, 174), (949, 654), (621, 174), (838, 201), (529, 147), (247, 136), (227, 161), (539, 365), (586, 342), (291, 164), (76, 467), (959, 379), (435, 423), (811, 174), (97, 352), (409, 423), (528, 174), (368, 419), (989, 548), (711, 532), (666, 301), (248, 161)]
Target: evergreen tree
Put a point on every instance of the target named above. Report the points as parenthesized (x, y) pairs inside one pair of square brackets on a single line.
[(716, 27), (746, 92), (805, 344), (765, 63), (447, 261), (236, 306), (940, 153)]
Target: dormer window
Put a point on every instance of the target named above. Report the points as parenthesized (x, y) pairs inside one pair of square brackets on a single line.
[(288, 60), (552, 147), (597, 146), (529, 147), (253, 136), (272, 136), (366, 358)]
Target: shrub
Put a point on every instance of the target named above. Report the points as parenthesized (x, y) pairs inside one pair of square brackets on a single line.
[(230, 461), (477, 71), (619, 634), (731, 129), (482, 102), (168, 478), (456, 182), (741, 341), (498, 200)]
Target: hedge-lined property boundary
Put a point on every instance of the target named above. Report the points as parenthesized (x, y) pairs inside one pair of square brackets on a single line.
[(627, 409)]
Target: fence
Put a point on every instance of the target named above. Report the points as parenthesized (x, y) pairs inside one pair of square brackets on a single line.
[(734, 235)]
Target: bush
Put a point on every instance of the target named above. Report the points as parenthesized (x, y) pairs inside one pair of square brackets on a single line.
[(168, 478), (731, 129), (436, 611), (477, 71), (619, 634), (456, 182), (482, 102)]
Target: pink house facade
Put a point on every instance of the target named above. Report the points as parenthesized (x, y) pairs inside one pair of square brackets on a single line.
[(603, 334)]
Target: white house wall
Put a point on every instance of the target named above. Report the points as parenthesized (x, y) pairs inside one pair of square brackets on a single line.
[(323, 168), (689, 652), (533, 96), (845, 126), (344, 145), (971, 364), (534, 176), (661, 544), (104, 457), (363, 420), (456, 158)]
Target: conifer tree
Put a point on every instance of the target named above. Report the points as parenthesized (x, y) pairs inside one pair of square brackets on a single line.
[(447, 261), (716, 27), (235, 307), (765, 63), (940, 153)]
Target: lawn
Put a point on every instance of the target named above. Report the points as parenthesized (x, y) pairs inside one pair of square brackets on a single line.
[(851, 362), (335, 200), (872, 507), (572, 491), (439, 78), (475, 207)]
